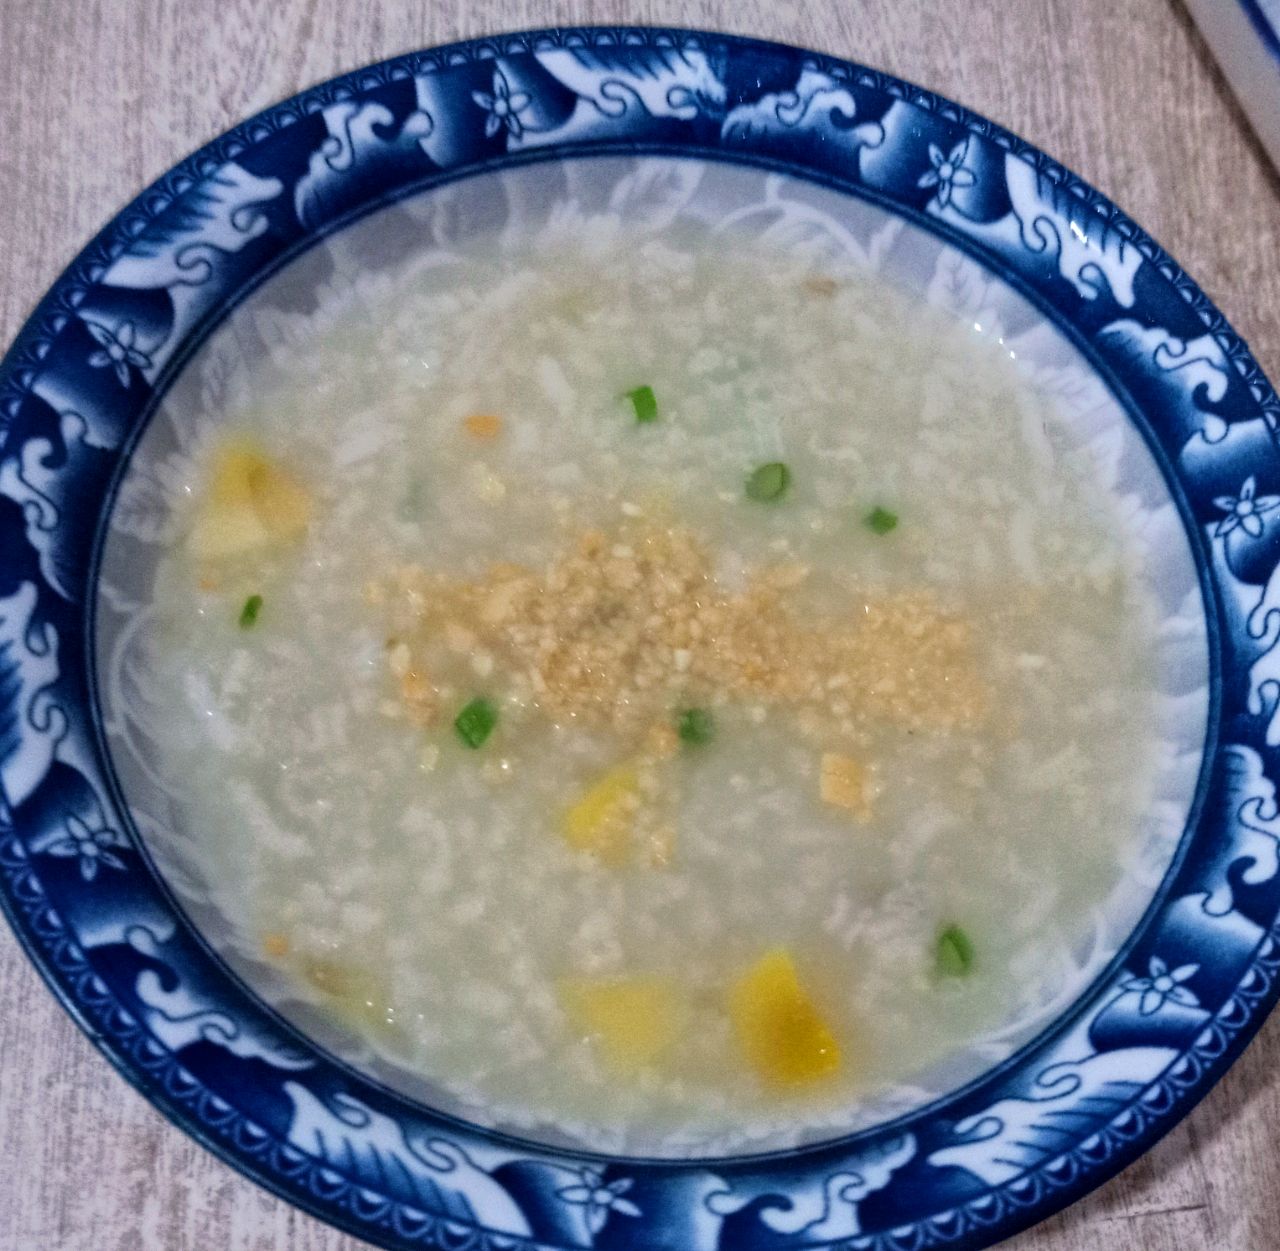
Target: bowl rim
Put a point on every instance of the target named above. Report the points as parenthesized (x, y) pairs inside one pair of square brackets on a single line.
[(35, 352), (1263, 27)]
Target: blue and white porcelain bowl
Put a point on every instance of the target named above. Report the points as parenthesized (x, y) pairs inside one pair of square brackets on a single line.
[(847, 159)]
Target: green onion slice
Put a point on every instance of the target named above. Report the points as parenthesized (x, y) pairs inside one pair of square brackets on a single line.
[(645, 403), (769, 482), (696, 726), (881, 520), (249, 613), (955, 953), (475, 722)]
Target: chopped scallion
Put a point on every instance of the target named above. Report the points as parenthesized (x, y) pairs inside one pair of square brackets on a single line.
[(249, 613), (769, 482), (696, 726), (881, 520), (955, 952), (476, 721), (645, 403)]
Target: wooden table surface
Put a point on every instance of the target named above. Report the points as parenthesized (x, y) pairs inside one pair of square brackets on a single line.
[(98, 97)]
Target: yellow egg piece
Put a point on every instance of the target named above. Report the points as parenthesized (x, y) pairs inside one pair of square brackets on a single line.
[(631, 1021), (846, 783), (601, 821), (780, 1030), (228, 522), (283, 505), (249, 503)]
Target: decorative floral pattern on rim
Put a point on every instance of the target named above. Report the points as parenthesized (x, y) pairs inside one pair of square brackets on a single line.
[(82, 376)]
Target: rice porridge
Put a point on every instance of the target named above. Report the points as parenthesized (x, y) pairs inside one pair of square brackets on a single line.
[(651, 687)]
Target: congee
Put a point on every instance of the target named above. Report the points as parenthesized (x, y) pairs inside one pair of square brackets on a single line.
[(653, 687)]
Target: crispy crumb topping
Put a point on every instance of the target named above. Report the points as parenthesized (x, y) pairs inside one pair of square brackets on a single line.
[(624, 626)]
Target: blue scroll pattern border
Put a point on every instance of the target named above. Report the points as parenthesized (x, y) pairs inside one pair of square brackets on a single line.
[(80, 381)]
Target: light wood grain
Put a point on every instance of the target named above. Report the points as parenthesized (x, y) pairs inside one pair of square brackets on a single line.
[(98, 97)]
